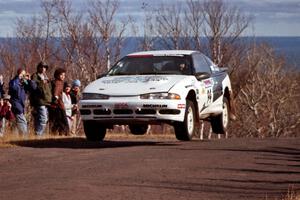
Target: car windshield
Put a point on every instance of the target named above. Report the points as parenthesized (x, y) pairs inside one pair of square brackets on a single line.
[(142, 65)]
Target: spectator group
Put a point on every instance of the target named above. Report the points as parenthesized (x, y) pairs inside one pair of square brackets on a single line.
[(53, 102)]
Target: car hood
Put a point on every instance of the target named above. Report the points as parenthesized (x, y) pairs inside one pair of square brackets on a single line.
[(133, 85)]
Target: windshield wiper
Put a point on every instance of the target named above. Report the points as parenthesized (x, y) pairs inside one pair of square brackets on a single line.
[(168, 72), (118, 74)]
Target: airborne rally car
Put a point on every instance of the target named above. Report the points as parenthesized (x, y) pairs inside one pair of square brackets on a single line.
[(153, 87)]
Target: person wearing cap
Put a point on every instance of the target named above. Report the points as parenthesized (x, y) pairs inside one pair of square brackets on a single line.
[(75, 97), (40, 99), (18, 87), (5, 113)]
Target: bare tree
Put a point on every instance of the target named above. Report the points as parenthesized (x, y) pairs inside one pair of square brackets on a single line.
[(148, 39), (268, 97), (169, 25), (111, 31), (32, 42), (8, 61), (195, 22), (224, 24), (69, 32), (81, 49)]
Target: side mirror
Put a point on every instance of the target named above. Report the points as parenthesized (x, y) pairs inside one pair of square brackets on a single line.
[(224, 69), (202, 75)]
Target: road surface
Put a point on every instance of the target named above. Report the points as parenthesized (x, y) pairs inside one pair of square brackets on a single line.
[(149, 168)]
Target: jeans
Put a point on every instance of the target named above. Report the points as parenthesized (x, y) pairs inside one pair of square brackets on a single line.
[(40, 119), (2, 127), (21, 124)]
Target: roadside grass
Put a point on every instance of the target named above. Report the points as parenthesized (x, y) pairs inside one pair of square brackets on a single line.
[(11, 140), (8, 139)]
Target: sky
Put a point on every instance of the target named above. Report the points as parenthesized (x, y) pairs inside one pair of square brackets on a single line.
[(270, 17)]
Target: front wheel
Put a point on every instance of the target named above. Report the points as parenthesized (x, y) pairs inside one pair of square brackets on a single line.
[(219, 124), (185, 130), (93, 131)]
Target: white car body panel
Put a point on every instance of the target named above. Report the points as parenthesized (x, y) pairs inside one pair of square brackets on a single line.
[(133, 85)]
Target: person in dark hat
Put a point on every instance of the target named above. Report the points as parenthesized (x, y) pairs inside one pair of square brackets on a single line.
[(18, 87), (40, 99)]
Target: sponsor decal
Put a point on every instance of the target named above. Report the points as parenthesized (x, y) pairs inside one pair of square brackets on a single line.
[(141, 79), (155, 106), (207, 83), (187, 86), (91, 106), (181, 106), (121, 105)]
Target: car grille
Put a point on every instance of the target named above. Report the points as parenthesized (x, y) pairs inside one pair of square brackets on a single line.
[(145, 112), (102, 112), (85, 112), (169, 112), (123, 111)]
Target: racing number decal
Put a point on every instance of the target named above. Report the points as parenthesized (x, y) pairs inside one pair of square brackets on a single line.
[(209, 90), (209, 95)]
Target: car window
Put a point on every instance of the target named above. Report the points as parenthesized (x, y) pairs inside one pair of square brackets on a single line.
[(140, 65), (201, 63)]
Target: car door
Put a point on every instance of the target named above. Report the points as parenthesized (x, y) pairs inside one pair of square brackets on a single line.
[(206, 92)]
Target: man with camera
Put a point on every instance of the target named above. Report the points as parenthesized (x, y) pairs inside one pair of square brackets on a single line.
[(41, 98), (18, 87)]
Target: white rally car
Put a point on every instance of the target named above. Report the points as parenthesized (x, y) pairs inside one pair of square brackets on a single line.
[(177, 87)]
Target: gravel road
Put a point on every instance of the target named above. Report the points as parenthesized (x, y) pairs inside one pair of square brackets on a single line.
[(149, 168)]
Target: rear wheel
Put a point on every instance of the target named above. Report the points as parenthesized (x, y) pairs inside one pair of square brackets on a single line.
[(93, 131), (220, 123), (185, 130), (138, 129)]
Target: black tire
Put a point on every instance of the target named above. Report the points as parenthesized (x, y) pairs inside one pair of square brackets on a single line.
[(186, 130), (93, 131), (219, 124), (138, 129)]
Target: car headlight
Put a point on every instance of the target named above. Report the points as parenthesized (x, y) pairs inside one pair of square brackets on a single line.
[(162, 95), (90, 96)]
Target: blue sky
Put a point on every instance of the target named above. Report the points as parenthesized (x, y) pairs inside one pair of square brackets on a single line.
[(271, 17)]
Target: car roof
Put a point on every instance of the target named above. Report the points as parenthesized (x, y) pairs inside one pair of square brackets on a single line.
[(164, 53)]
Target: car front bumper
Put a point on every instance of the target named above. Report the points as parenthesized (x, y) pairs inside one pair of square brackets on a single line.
[(128, 110)]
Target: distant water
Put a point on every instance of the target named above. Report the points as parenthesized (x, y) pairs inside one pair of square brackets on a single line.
[(287, 46)]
